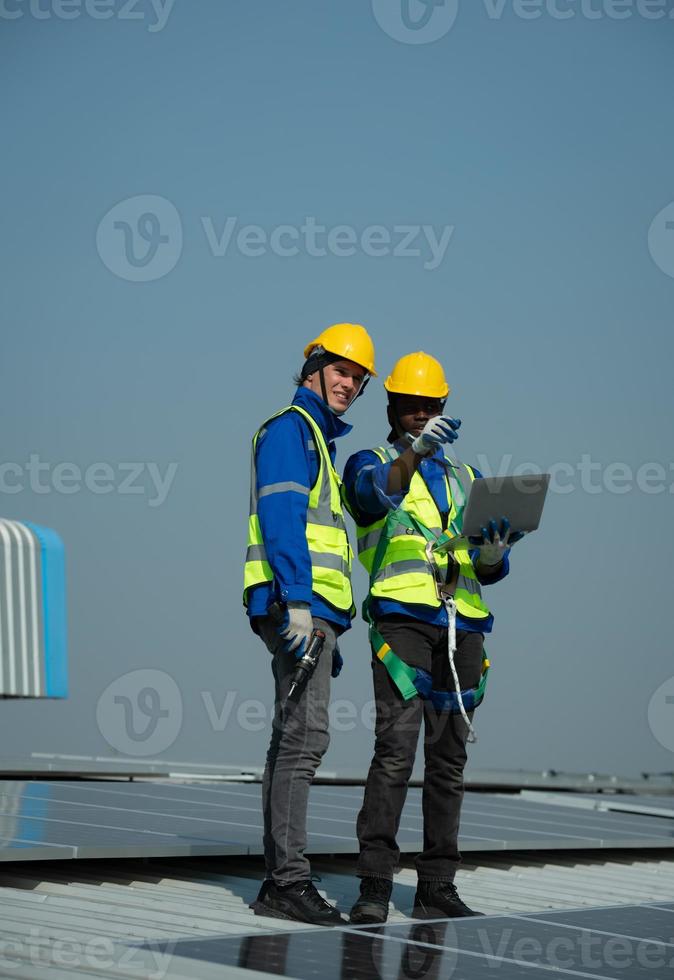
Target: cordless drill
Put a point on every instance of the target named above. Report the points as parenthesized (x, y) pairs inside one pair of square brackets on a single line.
[(307, 662)]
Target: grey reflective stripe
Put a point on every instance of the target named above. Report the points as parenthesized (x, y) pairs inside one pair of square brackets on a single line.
[(320, 559), (311, 444), (470, 585), (283, 487), (256, 552), (369, 540), (252, 508), (405, 567), (323, 512), (334, 520), (390, 453), (381, 453)]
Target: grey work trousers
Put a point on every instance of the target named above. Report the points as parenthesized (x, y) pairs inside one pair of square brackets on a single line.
[(299, 741)]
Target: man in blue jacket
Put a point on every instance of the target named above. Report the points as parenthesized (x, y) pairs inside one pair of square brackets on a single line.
[(427, 625), (297, 579)]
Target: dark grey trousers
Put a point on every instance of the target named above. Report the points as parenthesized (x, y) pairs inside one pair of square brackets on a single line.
[(397, 730), (299, 741)]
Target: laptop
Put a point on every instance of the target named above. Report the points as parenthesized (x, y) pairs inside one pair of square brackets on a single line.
[(519, 498)]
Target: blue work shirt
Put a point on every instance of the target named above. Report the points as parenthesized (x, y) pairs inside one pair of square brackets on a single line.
[(287, 467), (365, 481)]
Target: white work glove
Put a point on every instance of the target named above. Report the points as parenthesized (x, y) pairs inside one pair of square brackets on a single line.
[(495, 542), (297, 627), (436, 432)]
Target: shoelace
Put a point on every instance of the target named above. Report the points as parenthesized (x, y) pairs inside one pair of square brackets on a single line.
[(377, 887), (449, 888), (315, 899)]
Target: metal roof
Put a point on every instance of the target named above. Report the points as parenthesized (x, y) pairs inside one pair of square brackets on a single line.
[(113, 919)]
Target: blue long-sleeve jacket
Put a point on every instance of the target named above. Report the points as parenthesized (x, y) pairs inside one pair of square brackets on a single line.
[(365, 480), (287, 467)]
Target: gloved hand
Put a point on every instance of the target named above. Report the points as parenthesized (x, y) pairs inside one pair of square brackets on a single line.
[(297, 627), (337, 662), (495, 542), (437, 431)]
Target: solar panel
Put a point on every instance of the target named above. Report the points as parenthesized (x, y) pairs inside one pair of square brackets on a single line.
[(125, 819), (634, 941), (66, 766), (655, 806)]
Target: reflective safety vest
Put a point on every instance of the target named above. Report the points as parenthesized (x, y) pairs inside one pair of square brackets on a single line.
[(329, 548), (397, 563)]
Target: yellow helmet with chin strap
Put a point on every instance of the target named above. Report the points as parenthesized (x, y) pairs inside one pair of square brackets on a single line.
[(417, 374), (348, 340)]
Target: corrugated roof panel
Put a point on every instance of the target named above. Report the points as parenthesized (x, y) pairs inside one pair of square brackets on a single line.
[(111, 908)]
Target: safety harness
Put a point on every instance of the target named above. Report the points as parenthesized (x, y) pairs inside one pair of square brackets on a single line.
[(411, 681)]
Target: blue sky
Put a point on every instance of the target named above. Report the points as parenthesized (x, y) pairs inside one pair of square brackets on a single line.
[(537, 151)]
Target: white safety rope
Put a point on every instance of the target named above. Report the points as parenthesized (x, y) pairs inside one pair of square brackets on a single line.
[(450, 606)]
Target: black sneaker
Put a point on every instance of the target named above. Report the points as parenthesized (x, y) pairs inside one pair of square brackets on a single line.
[(372, 905), (439, 900), (264, 888), (299, 902)]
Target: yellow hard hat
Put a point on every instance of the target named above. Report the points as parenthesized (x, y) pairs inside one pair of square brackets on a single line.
[(418, 374), (350, 341)]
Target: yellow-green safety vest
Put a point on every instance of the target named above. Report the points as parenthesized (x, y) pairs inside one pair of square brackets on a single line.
[(329, 548), (405, 574)]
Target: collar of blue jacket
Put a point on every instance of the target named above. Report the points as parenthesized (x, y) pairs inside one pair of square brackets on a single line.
[(330, 424)]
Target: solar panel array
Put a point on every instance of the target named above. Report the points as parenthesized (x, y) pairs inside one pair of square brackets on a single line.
[(655, 806), (100, 819), (630, 941)]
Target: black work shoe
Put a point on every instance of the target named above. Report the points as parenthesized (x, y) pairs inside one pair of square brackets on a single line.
[(264, 888), (439, 900), (299, 902), (372, 905)]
